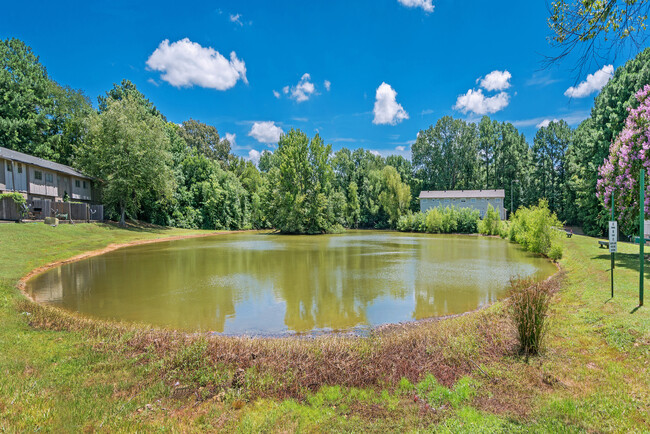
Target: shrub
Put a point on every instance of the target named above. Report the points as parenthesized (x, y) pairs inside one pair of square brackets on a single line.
[(491, 223), (468, 220), (434, 223), (555, 253), (440, 221), (18, 198), (534, 228), (529, 303)]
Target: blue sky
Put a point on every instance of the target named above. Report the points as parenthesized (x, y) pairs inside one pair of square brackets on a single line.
[(446, 57)]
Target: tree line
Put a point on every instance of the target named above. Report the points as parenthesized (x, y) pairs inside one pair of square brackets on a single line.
[(150, 169)]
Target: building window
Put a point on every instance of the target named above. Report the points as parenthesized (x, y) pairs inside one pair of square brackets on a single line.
[(49, 178), (20, 168), (77, 183), (38, 175), (473, 200), (498, 200), (9, 166), (84, 185)]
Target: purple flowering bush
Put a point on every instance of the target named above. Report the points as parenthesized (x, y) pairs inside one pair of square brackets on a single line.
[(628, 154)]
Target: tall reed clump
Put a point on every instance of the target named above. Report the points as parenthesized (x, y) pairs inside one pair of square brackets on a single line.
[(529, 305)]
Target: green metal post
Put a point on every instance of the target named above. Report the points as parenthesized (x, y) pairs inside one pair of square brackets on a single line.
[(612, 253), (641, 233)]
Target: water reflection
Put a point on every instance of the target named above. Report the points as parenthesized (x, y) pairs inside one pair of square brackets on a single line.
[(260, 283)]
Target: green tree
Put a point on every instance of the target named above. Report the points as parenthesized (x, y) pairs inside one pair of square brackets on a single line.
[(67, 127), (25, 99), (549, 165), (205, 139), (121, 91), (489, 136), (406, 174), (395, 197), (445, 156), (127, 149), (266, 161), (512, 165), (594, 136), (353, 210), (300, 185)]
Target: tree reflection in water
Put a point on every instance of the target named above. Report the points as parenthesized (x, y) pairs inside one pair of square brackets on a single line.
[(261, 283)]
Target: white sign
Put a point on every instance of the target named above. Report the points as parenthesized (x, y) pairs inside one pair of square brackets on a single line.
[(613, 236), (647, 229)]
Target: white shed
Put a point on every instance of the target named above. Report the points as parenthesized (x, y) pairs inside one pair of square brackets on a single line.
[(476, 199)]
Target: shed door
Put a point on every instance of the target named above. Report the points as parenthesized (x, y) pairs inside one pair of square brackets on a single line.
[(21, 177), (8, 168)]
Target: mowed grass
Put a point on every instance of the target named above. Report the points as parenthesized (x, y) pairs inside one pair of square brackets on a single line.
[(61, 373)]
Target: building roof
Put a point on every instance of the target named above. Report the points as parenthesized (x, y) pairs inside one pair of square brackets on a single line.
[(9, 154), (462, 194)]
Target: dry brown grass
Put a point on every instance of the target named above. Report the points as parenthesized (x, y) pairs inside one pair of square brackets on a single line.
[(290, 366)]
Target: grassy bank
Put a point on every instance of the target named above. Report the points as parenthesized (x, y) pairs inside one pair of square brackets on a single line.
[(60, 372)]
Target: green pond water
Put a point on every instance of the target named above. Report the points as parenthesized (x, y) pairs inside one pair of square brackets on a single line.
[(257, 283)]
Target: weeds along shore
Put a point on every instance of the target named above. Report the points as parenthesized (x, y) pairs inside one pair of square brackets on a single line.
[(289, 367)]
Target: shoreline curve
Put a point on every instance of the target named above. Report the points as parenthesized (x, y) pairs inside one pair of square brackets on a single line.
[(22, 282), (379, 328)]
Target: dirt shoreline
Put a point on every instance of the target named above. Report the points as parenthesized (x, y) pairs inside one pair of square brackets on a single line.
[(22, 283)]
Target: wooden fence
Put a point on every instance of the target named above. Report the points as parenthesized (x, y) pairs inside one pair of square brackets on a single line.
[(8, 209), (38, 209)]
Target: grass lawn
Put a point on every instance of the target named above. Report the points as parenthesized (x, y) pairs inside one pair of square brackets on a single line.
[(59, 372)]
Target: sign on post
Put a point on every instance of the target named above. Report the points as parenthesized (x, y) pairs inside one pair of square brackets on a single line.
[(613, 236)]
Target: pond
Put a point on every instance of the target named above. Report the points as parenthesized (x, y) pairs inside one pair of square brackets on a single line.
[(259, 283)]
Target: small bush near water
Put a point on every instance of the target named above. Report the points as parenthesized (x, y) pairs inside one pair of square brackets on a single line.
[(535, 229), (491, 223), (529, 304), (441, 221)]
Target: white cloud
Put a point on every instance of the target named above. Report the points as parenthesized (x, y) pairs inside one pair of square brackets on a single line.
[(231, 139), (236, 19), (387, 110), (474, 101), (376, 153), (152, 81), (426, 5), (265, 132), (285, 90), (185, 63), (400, 148), (545, 122), (593, 83), (496, 80), (327, 85), (254, 156), (303, 90), (276, 93)]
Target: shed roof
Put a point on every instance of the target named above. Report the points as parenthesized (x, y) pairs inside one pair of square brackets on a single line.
[(462, 194), (20, 157)]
